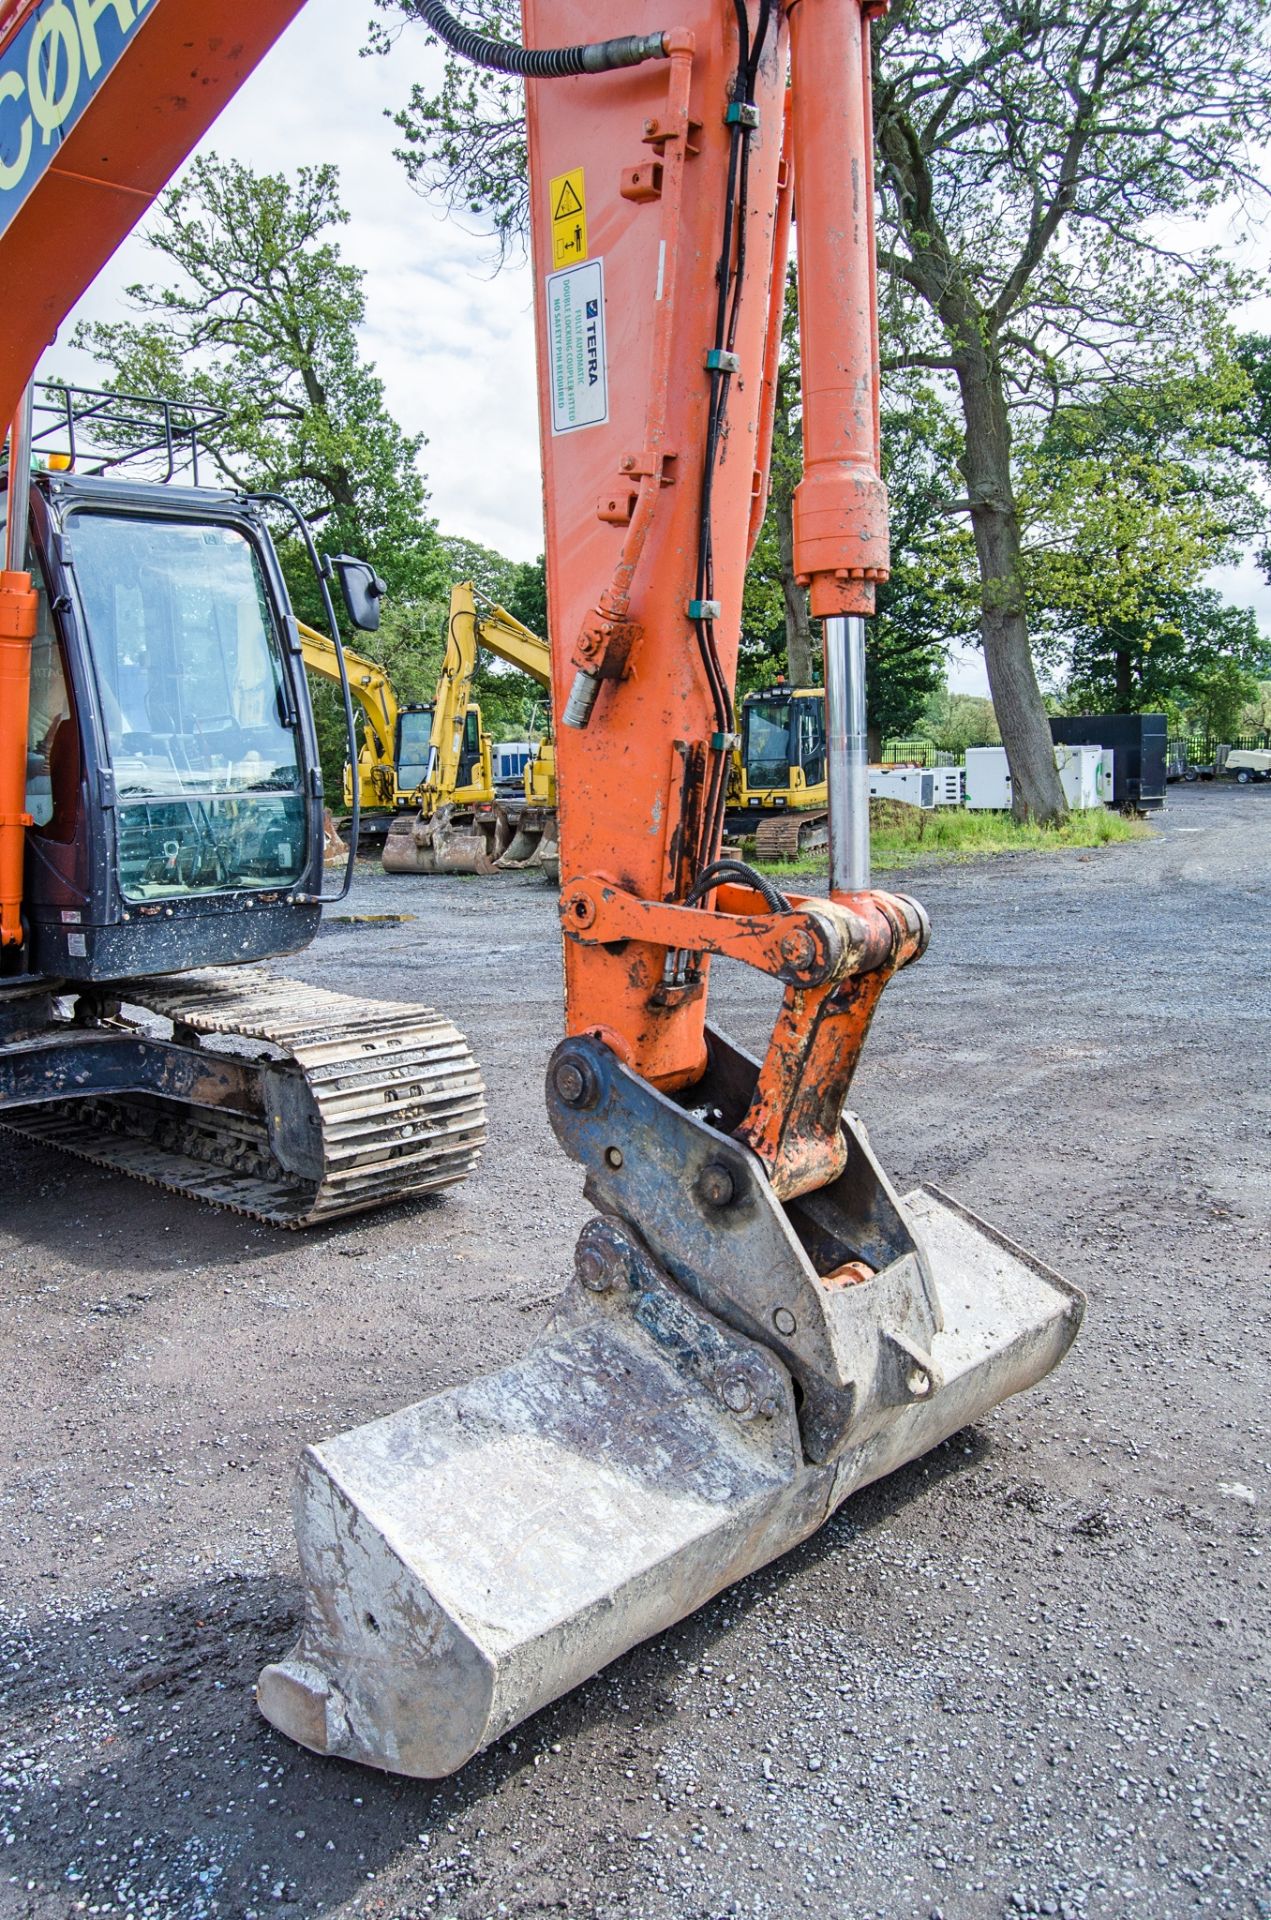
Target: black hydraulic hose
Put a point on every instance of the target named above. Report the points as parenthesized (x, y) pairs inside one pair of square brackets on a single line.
[(720, 872), (539, 63)]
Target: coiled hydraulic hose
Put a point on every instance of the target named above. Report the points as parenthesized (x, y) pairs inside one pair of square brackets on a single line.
[(736, 873), (539, 63)]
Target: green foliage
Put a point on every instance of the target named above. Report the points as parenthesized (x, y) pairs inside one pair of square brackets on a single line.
[(956, 721), (929, 601), (465, 143), (1252, 436), (488, 571), (259, 318), (951, 833), (1027, 160), (1133, 495), (1186, 655), (527, 601), (1037, 167), (1255, 715)]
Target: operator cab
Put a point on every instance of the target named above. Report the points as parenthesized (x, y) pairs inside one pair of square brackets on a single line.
[(414, 731), (173, 782), (782, 743)]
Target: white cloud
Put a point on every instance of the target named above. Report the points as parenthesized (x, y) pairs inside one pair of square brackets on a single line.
[(454, 346), (453, 342)]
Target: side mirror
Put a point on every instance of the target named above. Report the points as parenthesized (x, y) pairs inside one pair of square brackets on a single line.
[(362, 589)]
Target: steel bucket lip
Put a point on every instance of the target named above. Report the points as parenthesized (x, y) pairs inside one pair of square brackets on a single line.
[(442, 1678)]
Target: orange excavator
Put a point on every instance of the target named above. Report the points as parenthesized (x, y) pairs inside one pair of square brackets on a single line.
[(758, 1323), (161, 816)]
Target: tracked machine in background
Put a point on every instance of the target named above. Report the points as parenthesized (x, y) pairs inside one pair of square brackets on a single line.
[(779, 790), (171, 808), (461, 822), (759, 1323)]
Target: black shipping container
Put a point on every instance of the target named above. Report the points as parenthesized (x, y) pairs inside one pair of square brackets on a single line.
[(1137, 741)]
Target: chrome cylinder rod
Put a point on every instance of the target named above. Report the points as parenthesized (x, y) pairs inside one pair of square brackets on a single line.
[(847, 753), (15, 532)]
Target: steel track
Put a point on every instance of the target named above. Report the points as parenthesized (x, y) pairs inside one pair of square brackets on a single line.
[(398, 1103)]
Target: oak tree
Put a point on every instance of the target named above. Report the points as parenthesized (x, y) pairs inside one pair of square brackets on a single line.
[(1036, 161), (257, 314)]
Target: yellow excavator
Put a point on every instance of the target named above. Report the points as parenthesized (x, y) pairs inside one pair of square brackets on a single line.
[(778, 790), (484, 828), (462, 824), (394, 733)]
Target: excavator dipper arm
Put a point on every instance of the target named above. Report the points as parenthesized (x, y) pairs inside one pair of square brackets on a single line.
[(758, 1323)]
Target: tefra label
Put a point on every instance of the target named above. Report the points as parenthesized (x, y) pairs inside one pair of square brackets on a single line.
[(576, 347)]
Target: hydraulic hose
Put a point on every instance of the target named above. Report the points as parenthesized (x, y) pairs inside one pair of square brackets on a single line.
[(736, 872), (539, 63)]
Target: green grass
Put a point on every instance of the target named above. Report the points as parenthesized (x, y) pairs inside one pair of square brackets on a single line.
[(952, 834)]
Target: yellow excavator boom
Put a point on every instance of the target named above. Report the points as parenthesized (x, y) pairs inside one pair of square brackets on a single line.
[(462, 828), (373, 691), (470, 629)]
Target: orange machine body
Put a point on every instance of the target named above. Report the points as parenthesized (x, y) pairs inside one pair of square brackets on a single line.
[(623, 478), (630, 177), (99, 105), (85, 166)]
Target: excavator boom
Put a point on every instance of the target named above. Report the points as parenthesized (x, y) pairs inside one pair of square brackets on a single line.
[(379, 794), (759, 1323), (368, 682), (102, 103)]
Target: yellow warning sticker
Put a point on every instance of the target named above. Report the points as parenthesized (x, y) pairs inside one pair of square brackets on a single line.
[(568, 202)]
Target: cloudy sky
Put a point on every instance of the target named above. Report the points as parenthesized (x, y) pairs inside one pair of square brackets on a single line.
[(452, 341), (453, 344)]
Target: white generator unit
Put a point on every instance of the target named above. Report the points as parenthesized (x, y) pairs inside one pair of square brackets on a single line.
[(947, 786), (1248, 763), (1085, 773), (510, 758), (914, 785), (1081, 776), (988, 780)]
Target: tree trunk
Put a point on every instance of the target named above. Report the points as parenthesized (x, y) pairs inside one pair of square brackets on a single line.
[(798, 625), (1124, 686), (1017, 699)]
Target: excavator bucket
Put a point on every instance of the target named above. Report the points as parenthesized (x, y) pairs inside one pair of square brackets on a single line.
[(454, 840), (469, 1559), (534, 844)]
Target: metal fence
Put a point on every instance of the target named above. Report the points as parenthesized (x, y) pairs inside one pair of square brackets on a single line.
[(1185, 750), (916, 753), (1201, 749)]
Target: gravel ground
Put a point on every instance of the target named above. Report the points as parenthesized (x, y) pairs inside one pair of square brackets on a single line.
[(1025, 1675)]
